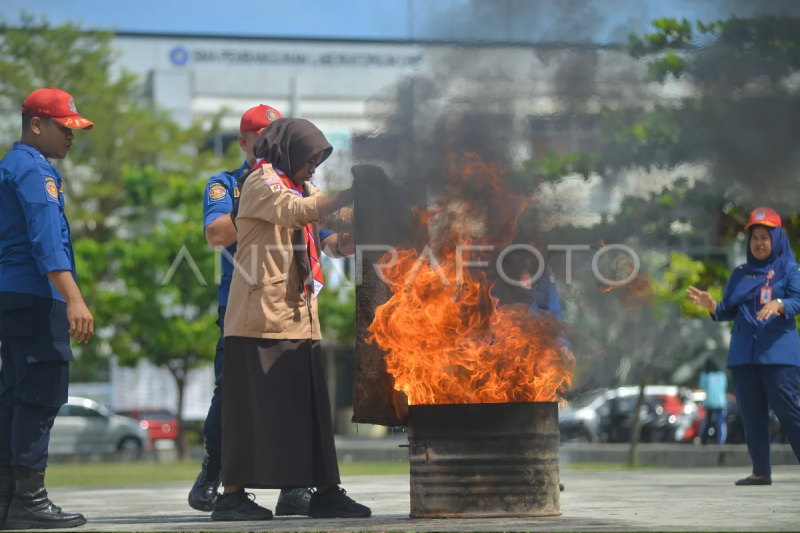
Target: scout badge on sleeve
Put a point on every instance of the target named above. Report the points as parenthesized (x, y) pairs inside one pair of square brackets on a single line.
[(766, 290), (274, 184), (217, 192)]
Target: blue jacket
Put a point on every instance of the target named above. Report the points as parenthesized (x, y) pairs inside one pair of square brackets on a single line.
[(34, 232), (221, 192), (777, 343)]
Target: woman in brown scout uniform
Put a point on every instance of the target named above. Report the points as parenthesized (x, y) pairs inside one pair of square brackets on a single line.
[(277, 430)]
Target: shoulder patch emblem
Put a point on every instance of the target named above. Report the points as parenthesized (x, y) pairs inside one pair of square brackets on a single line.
[(216, 192), (274, 184), (51, 188), (236, 192)]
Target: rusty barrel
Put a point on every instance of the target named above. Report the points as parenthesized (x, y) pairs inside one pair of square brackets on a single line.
[(484, 460)]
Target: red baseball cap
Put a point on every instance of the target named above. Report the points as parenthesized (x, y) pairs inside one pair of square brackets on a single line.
[(257, 118), (764, 216), (56, 105)]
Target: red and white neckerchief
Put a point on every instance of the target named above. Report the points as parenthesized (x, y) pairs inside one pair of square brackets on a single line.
[(311, 248)]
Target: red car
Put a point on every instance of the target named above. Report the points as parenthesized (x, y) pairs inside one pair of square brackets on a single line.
[(160, 425)]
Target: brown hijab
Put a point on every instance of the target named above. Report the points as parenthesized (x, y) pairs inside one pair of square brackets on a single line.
[(288, 144)]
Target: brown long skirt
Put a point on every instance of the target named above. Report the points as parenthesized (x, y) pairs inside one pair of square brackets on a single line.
[(277, 430)]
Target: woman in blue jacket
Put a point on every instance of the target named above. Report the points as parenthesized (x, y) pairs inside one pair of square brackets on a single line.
[(762, 298)]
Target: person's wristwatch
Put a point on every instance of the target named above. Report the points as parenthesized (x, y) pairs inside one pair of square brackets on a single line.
[(780, 305)]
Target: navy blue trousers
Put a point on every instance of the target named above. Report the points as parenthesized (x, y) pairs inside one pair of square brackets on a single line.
[(212, 429), (759, 387), (715, 418), (34, 379)]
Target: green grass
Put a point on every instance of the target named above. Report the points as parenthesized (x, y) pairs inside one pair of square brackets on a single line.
[(102, 474), (604, 466), (99, 474)]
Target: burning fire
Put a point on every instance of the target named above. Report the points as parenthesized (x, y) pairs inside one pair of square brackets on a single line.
[(447, 341)]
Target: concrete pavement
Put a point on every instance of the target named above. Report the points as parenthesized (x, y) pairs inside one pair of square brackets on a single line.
[(640, 500)]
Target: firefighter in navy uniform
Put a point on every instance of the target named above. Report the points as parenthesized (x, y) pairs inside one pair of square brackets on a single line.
[(40, 307), (221, 192)]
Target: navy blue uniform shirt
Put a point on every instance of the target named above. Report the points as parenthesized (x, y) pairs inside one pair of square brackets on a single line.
[(221, 192), (777, 343), (34, 232)]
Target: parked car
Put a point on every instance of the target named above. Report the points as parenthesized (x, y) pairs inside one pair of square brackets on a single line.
[(578, 420), (608, 415), (160, 423), (735, 426), (85, 426)]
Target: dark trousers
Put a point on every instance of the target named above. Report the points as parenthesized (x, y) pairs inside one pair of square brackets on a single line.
[(757, 388), (212, 429), (715, 418), (34, 379)]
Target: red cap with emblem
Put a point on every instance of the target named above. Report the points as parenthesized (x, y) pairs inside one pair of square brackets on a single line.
[(257, 118), (56, 105), (764, 216)]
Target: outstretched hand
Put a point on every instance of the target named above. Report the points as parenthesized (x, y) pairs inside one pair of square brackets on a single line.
[(702, 298)]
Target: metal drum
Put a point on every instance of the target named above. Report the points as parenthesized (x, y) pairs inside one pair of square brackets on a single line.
[(484, 460)]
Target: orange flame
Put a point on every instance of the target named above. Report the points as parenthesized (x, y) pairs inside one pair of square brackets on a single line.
[(446, 339)]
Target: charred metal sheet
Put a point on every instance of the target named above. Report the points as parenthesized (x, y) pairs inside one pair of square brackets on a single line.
[(384, 217)]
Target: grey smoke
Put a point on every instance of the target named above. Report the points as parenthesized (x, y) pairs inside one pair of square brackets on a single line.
[(467, 100)]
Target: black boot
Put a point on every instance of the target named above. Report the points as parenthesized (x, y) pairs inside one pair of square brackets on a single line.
[(204, 492), (32, 509), (6, 492), (293, 502)]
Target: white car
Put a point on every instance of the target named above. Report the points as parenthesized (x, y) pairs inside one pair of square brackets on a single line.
[(85, 426)]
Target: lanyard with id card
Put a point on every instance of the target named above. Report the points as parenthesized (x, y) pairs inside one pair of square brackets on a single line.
[(766, 290)]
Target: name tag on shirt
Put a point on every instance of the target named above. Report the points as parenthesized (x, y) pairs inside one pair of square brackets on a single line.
[(766, 295)]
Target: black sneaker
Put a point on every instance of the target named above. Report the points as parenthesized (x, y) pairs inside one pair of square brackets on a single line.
[(238, 507), (293, 502), (334, 503)]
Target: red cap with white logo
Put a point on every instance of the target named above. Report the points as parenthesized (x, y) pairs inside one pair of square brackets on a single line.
[(764, 216), (257, 118), (56, 105)]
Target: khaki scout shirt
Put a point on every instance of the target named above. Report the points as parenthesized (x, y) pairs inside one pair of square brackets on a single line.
[(266, 299)]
